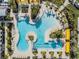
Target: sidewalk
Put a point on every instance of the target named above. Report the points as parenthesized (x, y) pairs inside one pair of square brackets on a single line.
[(64, 5)]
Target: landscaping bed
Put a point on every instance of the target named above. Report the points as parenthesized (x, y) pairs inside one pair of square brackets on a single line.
[(34, 11)]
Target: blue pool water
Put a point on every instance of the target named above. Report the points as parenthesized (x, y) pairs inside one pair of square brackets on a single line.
[(44, 23)]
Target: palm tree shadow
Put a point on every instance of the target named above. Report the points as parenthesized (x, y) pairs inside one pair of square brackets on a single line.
[(27, 20), (48, 14), (53, 44), (60, 42), (38, 22)]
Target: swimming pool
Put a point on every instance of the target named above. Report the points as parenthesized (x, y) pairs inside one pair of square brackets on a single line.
[(44, 23)]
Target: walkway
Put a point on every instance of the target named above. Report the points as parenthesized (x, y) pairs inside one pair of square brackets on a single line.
[(64, 5), (29, 13)]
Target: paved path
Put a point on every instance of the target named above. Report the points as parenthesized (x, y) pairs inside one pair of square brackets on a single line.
[(41, 11), (64, 5), (29, 13)]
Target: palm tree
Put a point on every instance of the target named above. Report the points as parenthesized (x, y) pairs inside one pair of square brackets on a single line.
[(6, 56), (28, 57), (43, 54), (13, 5), (35, 52), (55, 58), (31, 38), (47, 3), (51, 53), (59, 53)]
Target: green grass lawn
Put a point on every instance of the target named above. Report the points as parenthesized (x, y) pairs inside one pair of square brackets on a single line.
[(73, 10), (57, 2), (78, 0)]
